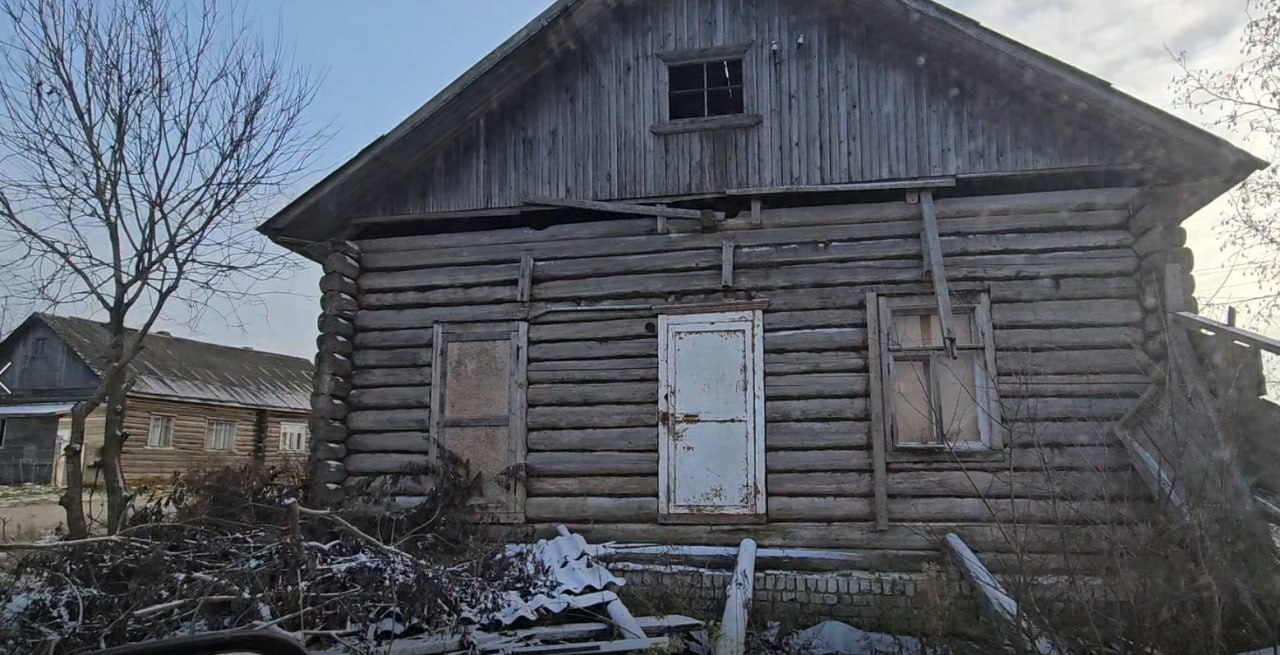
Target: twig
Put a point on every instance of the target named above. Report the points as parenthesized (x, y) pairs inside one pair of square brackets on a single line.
[(75, 542), (156, 609), (356, 531)]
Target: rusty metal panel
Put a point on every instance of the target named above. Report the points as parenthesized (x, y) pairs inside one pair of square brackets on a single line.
[(711, 419)]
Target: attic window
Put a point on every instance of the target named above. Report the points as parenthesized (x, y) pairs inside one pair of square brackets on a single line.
[(705, 89)]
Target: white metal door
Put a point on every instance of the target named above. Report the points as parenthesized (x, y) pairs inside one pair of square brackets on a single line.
[(711, 418)]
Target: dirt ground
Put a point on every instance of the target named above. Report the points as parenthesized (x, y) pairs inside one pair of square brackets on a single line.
[(29, 513)]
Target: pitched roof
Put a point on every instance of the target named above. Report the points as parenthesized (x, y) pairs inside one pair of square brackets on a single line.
[(1212, 156), (186, 369)]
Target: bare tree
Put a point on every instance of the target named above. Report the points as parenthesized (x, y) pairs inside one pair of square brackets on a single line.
[(139, 143), (1246, 100)]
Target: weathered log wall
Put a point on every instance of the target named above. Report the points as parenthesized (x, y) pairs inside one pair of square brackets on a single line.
[(333, 375), (1067, 308)]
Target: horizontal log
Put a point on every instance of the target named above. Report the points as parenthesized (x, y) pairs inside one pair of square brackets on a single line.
[(589, 508), (821, 385), (955, 509), (809, 410), (593, 394), (389, 420), (390, 398), (1070, 288), (630, 486), (834, 435), (813, 319), (683, 260), (1036, 456), (560, 464), (1064, 486), (398, 358), (1047, 409), (1069, 386), (629, 363), (1067, 313), (594, 375), (600, 416), (616, 227), (418, 338), (630, 328), (1068, 338), (807, 363), (437, 278), (390, 442), (480, 295), (367, 378), (379, 464), (1080, 362), (579, 350), (623, 439), (823, 340), (399, 319)]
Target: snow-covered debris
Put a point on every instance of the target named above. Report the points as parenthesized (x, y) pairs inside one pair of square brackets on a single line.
[(836, 638)]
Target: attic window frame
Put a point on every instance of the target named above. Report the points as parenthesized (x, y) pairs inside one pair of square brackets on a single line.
[(703, 56)]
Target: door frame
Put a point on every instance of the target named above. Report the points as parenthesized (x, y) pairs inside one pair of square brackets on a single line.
[(757, 510)]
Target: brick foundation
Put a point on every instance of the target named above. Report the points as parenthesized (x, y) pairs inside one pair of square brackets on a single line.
[(899, 603)]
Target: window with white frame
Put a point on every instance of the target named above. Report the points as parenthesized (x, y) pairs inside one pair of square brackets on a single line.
[(160, 435), (935, 398), (220, 435), (294, 437)]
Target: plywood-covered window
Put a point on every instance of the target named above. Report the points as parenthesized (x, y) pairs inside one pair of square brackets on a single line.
[(160, 433), (933, 398), (220, 435), (478, 411)]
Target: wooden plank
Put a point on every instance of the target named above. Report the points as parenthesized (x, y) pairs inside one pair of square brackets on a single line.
[(394, 377), (615, 207), (879, 417), (589, 508), (940, 289), (996, 510), (398, 358), (726, 264), (389, 398), (886, 185), (524, 288), (835, 435), (593, 394), (1193, 321)]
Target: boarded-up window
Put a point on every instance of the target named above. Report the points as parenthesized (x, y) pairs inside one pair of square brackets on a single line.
[(160, 435), (220, 435), (478, 411), (293, 437), (933, 399)]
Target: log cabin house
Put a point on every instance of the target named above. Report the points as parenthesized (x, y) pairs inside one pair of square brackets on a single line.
[(828, 274), (191, 403)]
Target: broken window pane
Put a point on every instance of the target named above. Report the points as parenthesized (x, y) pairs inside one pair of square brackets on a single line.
[(713, 88)]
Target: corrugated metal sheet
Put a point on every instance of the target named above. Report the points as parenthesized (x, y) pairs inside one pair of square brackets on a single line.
[(36, 409), (173, 367), (581, 581)]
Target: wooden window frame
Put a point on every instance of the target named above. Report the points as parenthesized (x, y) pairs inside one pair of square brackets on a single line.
[(306, 436), (990, 426), (235, 433), (518, 333), (667, 512), (151, 424), (744, 119)]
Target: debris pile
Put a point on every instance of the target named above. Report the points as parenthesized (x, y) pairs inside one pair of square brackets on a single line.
[(238, 550)]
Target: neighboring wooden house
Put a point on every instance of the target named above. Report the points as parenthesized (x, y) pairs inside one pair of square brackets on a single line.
[(829, 274), (190, 402)]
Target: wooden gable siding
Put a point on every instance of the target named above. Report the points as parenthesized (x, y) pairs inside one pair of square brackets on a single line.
[(1059, 267), (56, 369), (858, 101), (188, 451)]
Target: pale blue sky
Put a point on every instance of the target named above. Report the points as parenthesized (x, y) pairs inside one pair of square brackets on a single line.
[(382, 59)]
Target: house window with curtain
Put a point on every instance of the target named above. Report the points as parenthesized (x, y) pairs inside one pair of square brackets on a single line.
[(160, 434), (220, 435), (294, 437)]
